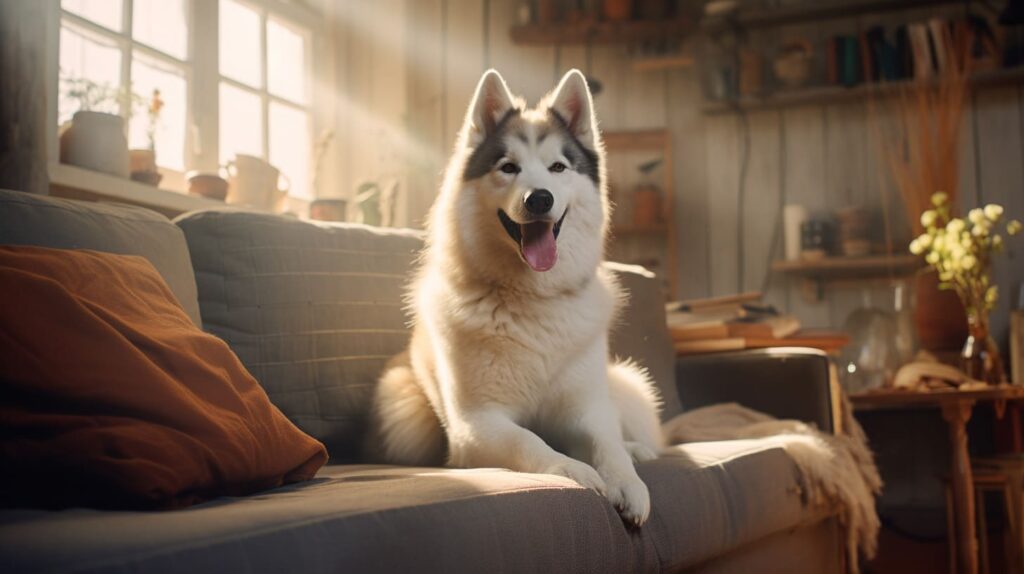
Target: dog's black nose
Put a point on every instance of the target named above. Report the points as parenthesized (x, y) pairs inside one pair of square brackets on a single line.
[(539, 201)]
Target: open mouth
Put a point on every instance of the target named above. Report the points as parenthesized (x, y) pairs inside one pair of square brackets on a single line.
[(536, 239)]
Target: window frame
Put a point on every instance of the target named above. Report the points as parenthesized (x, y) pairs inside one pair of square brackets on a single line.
[(268, 10), (202, 76)]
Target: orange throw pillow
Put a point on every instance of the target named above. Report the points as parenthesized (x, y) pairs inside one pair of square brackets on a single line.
[(112, 398)]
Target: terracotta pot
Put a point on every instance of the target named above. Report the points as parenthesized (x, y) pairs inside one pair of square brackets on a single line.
[(646, 206), (938, 315), (142, 160), (96, 141), (208, 185), (618, 10)]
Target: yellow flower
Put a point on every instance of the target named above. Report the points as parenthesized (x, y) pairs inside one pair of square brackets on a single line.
[(932, 258), (939, 243), (928, 218), (916, 248), (992, 295), (939, 198), (980, 230), (968, 262), (976, 215), (1013, 227), (955, 225), (925, 240), (993, 212), (997, 241)]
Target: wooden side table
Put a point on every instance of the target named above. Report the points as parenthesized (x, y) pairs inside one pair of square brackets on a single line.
[(956, 407)]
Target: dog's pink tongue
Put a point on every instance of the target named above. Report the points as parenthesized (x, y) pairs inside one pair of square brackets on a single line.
[(538, 245)]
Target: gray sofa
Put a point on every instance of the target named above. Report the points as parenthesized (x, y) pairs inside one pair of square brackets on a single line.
[(314, 311)]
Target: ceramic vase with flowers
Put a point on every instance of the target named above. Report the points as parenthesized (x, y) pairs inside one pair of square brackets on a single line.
[(962, 251)]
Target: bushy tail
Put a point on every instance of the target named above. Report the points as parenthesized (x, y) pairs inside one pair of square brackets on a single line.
[(637, 399)]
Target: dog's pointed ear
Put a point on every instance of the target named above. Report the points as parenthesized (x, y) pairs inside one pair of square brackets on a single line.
[(573, 104), (491, 102)]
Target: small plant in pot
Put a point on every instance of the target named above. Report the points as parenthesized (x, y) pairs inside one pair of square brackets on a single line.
[(95, 139), (143, 161)]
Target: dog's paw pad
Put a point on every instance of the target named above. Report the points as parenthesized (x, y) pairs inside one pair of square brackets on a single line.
[(632, 500)]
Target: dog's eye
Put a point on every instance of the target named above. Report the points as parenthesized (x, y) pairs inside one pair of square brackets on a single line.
[(510, 168), (557, 167)]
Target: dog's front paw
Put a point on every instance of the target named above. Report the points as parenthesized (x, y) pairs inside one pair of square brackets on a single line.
[(640, 452), (582, 473), (631, 498)]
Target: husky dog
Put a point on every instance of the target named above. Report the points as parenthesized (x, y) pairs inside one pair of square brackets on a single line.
[(508, 364)]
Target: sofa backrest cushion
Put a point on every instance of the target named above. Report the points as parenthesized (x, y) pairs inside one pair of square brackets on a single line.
[(314, 311), (641, 333), (27, 219)]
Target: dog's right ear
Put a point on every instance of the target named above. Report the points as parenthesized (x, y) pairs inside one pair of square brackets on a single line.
[(491, 102)]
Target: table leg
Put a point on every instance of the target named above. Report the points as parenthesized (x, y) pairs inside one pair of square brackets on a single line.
[(957, 414)]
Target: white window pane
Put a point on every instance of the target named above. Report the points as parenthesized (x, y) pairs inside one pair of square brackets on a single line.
[(290, 146), (168, 130), (240, 43), (90, 73), (286, 62), (162, 24), (106, 13), (241, 123)]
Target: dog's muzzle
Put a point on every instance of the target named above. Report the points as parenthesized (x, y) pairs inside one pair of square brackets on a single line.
[(536, 239)]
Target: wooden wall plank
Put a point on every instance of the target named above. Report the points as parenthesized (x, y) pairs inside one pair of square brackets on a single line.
[(463, 61), (425, 43), (687, 126), (804, 184), (723, 189), (761, 208), (1001, 152), (528, 70)]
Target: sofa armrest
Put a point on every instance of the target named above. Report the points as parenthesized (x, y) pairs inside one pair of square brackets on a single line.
[(789, 383)]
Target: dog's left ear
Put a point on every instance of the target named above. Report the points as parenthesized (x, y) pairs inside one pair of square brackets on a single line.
[(573, 103)]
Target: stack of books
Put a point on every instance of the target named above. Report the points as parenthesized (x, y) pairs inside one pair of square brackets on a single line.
[(740, 322)]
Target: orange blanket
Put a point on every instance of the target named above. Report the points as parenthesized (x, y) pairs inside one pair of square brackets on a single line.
[(113, 398)]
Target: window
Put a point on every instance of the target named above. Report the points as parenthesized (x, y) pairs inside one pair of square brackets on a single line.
[(264, 91), (115, 53), (258, 93)]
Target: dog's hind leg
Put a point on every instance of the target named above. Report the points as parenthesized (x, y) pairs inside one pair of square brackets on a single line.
[(636, 399), (406, 430)]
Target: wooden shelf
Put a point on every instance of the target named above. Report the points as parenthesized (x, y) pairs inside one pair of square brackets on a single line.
[(837, 267), (636, 140), (600, 32), (836, 94), (659, 63), (816, 274), (813, 12)]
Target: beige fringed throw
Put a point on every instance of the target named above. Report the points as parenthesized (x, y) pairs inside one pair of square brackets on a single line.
[(835, 469)]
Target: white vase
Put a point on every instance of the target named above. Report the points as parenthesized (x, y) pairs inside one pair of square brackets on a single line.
[(96, 141)]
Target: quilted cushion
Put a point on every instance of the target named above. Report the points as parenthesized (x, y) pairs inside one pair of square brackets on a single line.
[(314, 311)]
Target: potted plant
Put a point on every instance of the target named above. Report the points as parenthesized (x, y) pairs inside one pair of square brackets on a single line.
[(95, 139), (961, 251), (143, 161)]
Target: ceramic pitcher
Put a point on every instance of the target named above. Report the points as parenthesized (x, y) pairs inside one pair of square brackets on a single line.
[(255, 183)]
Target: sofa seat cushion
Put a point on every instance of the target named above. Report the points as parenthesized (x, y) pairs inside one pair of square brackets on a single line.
[(27, 219), (708, 499)]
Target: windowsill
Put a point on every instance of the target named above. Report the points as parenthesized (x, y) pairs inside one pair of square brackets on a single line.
[(73, 182)]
